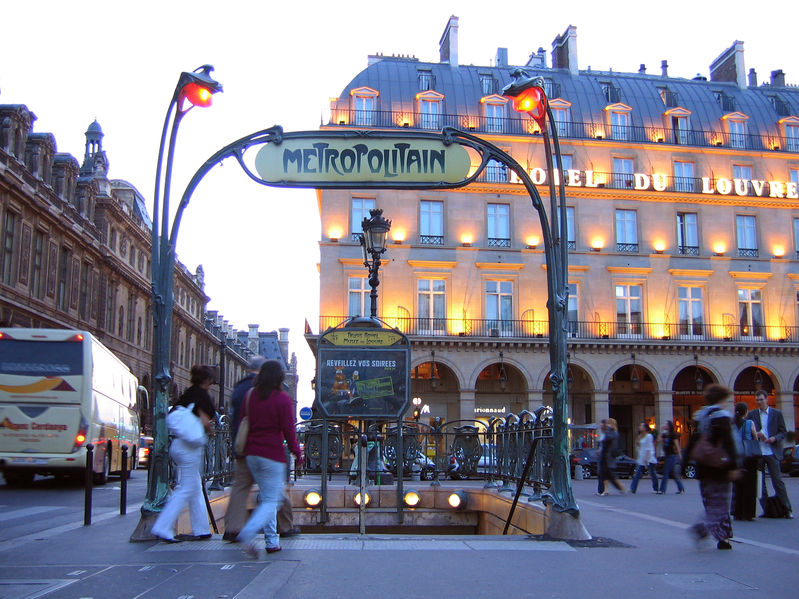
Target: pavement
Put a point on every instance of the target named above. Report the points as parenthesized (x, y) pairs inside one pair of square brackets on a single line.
[(640, 549)]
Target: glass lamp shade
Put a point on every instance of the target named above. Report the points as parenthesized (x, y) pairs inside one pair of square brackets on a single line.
[(375, 229)]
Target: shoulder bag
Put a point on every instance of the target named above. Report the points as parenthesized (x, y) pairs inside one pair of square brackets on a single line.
[(183, 424), (706, 453), (240, 444), (751, 446)]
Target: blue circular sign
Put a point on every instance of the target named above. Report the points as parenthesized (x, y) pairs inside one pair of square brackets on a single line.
[(306, 413)]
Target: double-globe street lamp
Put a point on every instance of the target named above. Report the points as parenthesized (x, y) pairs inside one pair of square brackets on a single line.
[(193, 89), (373, 245)]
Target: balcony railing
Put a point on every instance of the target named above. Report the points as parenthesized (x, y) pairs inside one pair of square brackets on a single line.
[(389, 119), (612, 330)]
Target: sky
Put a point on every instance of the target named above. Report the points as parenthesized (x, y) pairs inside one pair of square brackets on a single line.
[(118, 62)]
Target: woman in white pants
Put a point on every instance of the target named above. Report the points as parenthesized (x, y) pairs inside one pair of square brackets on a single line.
[(188, 459)]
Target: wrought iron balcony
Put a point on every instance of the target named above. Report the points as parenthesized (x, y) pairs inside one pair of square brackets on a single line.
[(748, 252), (688, 250), (627, 248), (523, 125), (431, 239), (729, 331)]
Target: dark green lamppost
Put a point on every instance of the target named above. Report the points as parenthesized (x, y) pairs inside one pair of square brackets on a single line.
[(373, 245), (193, 89)]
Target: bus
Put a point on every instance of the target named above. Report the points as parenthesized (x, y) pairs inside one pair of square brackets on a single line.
[(59, 391)]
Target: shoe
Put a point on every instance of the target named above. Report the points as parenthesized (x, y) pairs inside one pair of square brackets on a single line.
[(251, 549), (656, 492), (631, 491), (789, 516), (168, 539), (185, 537), (682, 492), (602, 494), (291, 532), (723, 545), (273, 549), (230, 536)]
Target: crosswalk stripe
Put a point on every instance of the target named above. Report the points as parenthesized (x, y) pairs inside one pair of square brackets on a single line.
[(28, 511)]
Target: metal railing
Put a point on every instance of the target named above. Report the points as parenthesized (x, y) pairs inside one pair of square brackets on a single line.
[(388, 119), (689, 332)]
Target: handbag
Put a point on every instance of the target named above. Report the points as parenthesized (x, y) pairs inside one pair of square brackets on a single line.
[(751, 446), (186, 426), (240, 444), (707, 454)]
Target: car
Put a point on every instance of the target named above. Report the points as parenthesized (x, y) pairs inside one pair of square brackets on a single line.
[(688, 467), (790, 461), (145, 448), (589, 460)]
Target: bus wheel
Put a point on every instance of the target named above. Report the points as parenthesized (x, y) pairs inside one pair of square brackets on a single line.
[(100, 478), (17, 478)]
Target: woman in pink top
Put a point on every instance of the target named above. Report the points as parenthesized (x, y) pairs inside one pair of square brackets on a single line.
[(271, 416)]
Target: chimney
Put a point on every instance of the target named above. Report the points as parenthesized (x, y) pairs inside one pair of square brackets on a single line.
[(448, 44), (777, 78), (284, 341), (664, 68), (564, 50), (729, 66), (752, 78), (502, 57), (538, 60), (642, 69)]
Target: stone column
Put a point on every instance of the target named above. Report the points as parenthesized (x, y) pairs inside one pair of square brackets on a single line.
[(601, 405), (664, 407), (535, 399), (466, 404)]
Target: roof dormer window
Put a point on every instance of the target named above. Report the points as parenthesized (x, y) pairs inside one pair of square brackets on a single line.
[(561, 111), (677, 125), (736, 129), (364, 103), (790, 131), (430, 103), (619, 117), (494, 112), (427, 80), (488, 84), (611, 92)]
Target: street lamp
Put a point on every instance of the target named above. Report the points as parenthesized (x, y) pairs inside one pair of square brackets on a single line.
[(417, 412), (193, 89), (373, 245)]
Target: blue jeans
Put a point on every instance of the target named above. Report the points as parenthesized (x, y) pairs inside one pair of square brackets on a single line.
[(270, 476), (672, 462), (639, 471)]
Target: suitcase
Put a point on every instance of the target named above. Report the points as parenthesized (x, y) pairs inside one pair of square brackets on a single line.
[(772, 507)]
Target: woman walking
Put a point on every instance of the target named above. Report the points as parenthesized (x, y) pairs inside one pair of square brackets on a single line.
[(744, 490), (670, 443), (607, 457), (270, 414), (188, 459), (715, 424), (646, 458)]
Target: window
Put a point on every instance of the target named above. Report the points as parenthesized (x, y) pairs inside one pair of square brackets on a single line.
[(687, 234), (794, 175), (430, 111), (679, 129), (792, 138), (431, 300), (737, 130), (364, 109), (496, 172), (796, 236), (746, 229), (358, 296), (750, 310), (495, 115), (83, 293), (360, 211), (121, 324), (7, 248), (131, 317), (691, 311), (626, 231), (426, 81), (499, 307), (684, 176), (743, 174), (37, 264), (566, 161), (487, 85), (570, 238), (61, 283), (498, 225), (110, 302), (610, 92), (619, 125), (629, 312), (572, 316), (561, 118), (623, 172), (431, 222)]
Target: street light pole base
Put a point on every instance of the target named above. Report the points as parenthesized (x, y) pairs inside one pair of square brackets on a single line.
[(562, 525), (143, 532)]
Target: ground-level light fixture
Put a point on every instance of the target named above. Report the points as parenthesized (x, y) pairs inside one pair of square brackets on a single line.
[(458, 500), (312, 498), (356, 499), (412, 498)]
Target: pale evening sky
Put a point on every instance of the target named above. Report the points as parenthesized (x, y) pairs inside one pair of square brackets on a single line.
[(118, 62)]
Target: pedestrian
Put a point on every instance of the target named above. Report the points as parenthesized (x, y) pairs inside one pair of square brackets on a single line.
[(646, 458), (188, 460), (609, 451), (670, 445), (770, 427), (744, 490), (270, 413), (715, 422)]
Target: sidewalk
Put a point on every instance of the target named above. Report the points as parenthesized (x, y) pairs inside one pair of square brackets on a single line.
[(645, 553)]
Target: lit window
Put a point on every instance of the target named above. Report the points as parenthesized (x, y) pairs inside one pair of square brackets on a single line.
[(687, 234), (570, 238), (792, 137), (626, 231), (364, 102), (430, 103), (561, 114), (691, 309), (750, 312), (498, 225), (796, 236), (360, 211), (629, 309), (495, 117), (431, 222), (736, 129), (496, 172), (572, 315), (358, 296), (432, 311), (746, 230), (623, 173), (684, 176), (499, 307)]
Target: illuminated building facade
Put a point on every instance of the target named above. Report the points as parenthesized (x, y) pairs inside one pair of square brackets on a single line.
[(683, 234)]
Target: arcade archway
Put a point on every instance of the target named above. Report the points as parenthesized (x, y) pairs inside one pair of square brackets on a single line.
[(631, 398)]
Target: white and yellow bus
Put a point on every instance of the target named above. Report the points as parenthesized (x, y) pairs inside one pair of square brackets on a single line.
[(59, 391)]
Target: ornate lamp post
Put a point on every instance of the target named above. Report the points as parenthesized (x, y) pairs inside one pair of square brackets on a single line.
[(193, 89), (373, 245)]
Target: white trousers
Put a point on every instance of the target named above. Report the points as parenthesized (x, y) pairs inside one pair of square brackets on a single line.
[(188, 461)]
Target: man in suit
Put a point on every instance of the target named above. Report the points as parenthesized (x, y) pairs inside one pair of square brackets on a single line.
[(770, 426)]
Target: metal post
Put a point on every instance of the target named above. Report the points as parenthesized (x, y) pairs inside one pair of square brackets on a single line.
[(323, 472), (123, 483), (362, 506), (88, 482)]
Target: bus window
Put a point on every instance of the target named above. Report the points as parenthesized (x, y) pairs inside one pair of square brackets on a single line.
[(34, 358)]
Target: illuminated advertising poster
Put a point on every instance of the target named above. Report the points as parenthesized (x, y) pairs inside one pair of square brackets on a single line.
[(363, 382)]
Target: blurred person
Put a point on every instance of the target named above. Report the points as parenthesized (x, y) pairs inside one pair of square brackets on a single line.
[(744, 490), (770, 427), (646, 458), (609, 451), (670, 445)]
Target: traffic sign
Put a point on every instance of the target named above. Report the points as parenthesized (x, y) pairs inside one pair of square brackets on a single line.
[(306, 413)]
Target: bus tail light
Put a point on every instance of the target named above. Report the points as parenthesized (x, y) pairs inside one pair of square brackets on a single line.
[(77, 337), (80, 438)]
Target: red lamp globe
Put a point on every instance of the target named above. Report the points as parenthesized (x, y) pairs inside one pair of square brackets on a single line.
[(197, 94), (533, 102)]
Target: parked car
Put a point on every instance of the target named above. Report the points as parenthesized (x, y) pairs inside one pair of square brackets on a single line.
[(145, 447), (688, 467), (790, 461), (589, 460)]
